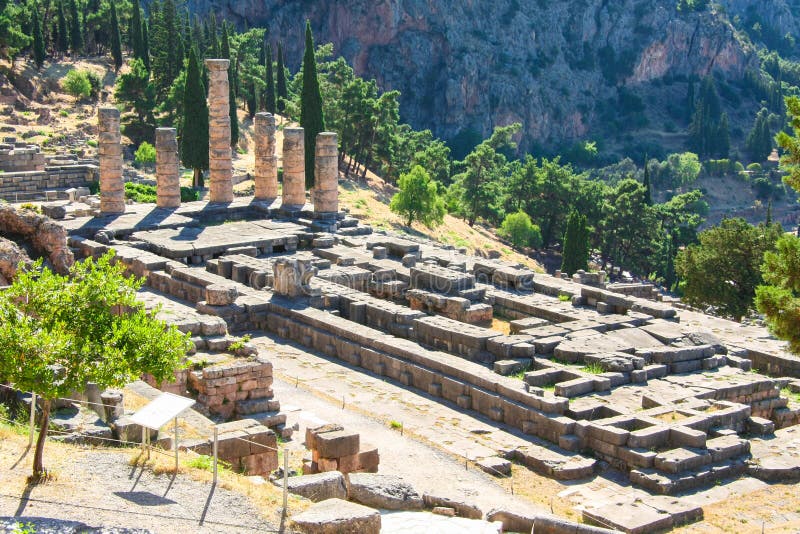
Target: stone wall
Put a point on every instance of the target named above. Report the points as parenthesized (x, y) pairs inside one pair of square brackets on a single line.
[(19, 157), (30, 185)]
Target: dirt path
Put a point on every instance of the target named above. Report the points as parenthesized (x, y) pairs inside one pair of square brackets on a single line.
[(101, 489)]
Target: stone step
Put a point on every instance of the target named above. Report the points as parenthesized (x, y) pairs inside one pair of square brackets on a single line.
[(254, 406), (705, 476), (269, 418)]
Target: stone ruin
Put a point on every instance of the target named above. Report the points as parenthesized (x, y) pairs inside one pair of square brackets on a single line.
[(596, 378)]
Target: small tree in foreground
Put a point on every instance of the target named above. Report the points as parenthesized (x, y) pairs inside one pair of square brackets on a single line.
[(418, 198), (60, 332), (575, 253), (519, 229)]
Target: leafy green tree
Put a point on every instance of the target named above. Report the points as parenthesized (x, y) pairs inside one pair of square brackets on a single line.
[(60, 332), (39, 52), (723, 269), (779, 298), (135, 89), (575, 252), (116, 45), (75, 32), (62, 39), (145, 154), (164, 45), (478, 186), (311, 117), (269, 95), (648, 193), (418, 198), (519, 229), (77, 84), (283, 94), (194, 141)]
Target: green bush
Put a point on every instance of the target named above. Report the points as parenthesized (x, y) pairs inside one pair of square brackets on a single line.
[(518, 228), (756, 167), (140, 192), (189, 195), (145, 154), (81, 84)]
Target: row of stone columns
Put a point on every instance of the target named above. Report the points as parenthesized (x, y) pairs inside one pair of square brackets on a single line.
[(325, 194)]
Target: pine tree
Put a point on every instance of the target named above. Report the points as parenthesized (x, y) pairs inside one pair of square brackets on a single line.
[(311, 117), (269, 103), (708, 131), (145, 45), (232, 69), (759, 140), (252, 99), (75, 32), (116, 45), (164, 43), (576, 244), (63, 38), (39, 52), (282, 93), (648, 198), (225, 44), (723, 137), (194, 141), (135, 31)]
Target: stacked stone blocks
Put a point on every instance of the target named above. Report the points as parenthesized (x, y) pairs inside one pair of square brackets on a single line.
[(168, 176), (109, 150), (219, 132), (335, 449), (294, 169), (266, 166), (326, 175)]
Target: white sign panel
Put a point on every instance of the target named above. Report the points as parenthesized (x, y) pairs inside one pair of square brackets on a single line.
[(161, 410)]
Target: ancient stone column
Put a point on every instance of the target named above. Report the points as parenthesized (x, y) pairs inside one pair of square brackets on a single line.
[(326, 174), (168, 174), (266, 171), (109, 151), (219, 132), (294, 168)]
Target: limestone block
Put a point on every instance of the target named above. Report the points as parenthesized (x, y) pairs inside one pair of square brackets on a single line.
[(219, 142), (294, 191), (387, 492), (266, 162), (336, 516), (220, 294), (319, 487), (338, 443)]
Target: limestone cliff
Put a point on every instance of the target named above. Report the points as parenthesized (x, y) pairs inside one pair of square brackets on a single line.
[(557, 66)]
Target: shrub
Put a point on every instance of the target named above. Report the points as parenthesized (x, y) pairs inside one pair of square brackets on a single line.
[(81, 84), (140, 192), (189, 195), (145, 154), (518, 228), (756, 167), (92, 142)]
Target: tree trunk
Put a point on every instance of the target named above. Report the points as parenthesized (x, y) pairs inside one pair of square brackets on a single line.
[(38, 466), (197, 179)]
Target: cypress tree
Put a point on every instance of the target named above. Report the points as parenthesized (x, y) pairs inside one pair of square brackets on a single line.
[(759, 140), (145, 45), (647, 193), (269, 104), (225, 44), (38, 40), (75, 33), (135, 30), (282, 93), (576, 244), (252, 99), (194, 141), (311, 117), (63, 40), (232, 102), (116, 46)]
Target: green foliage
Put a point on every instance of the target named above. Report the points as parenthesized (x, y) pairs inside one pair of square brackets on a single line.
[(790, 160), (12, 38), (593, 368), (269, 94), (194, 138), (283, 94), (141, 193), (75, 30), (137, 91), (135, 31), (779, 298), (39, 52), (759, 140), (575, 252), (60, 332), (145, 154), (116, 42), (723, 269), (77, 83), (164, 39), (418, 198), (62, 41), (311, 116), (518, 228), (676, 171), (708, 131)]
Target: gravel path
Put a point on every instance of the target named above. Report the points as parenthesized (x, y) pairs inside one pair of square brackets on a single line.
[(100, 489)]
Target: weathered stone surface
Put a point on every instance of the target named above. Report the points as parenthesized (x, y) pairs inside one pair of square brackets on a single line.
[(294, 168), (112, 197), (11, 256), (336, 516), (221, 295), (265, 173), (168, 175), (319, 487), (326, 174), (383, 491), (46, 236), (219, 133)]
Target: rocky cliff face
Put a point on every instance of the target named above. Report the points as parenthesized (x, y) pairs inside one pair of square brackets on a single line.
[(464, 67)]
